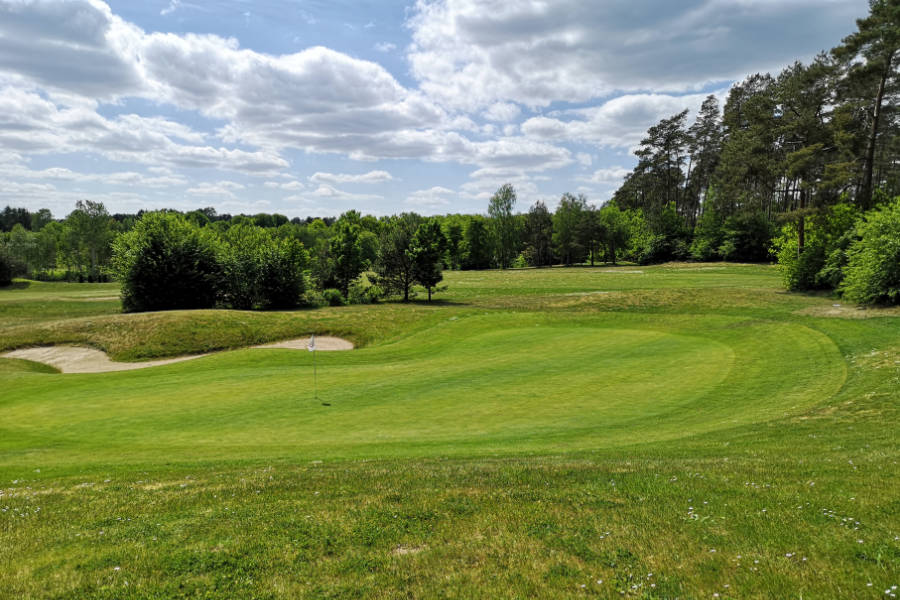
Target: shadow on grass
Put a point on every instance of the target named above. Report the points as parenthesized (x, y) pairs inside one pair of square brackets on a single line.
[(17, 284)]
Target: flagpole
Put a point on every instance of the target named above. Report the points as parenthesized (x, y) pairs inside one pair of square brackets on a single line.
[(315, 376)]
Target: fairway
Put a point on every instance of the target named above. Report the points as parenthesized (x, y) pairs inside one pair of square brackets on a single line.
[(531, 433)]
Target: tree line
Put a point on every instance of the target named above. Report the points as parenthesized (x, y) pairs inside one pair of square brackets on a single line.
[(797, 167), (791, 165)]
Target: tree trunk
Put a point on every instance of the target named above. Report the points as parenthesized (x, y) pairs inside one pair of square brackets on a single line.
[(866, 191)]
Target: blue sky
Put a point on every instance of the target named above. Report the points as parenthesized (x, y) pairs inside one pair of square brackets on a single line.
[(311, 108)]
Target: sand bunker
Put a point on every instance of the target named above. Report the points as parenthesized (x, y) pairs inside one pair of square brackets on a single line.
[(78, 359), (324, 343)]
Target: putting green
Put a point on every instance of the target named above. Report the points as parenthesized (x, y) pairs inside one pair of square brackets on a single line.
[(474, 385)]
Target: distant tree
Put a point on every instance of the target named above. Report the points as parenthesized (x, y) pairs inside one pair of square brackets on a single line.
[(591, 232), (346, 251), (539, 235), (240, 257), (704, 143), (10, 217), (870, 57), (454, 234), (91, 234), (165, 262), (281, 280), (40, 219), (427, 249), (6, 267), (567, 221), (616, 230), (395, 266), (503, 225), (478, 245)]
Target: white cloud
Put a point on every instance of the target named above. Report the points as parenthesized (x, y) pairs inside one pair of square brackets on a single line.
[(370, 177), (610, 175), (502, 111), (32, 123), (385, 47), (172, 7), (433, 198), (469, 54), (328, 191), (620, 122), (221, 189)]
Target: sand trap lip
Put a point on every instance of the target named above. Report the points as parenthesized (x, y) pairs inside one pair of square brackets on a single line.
[(80, 359)]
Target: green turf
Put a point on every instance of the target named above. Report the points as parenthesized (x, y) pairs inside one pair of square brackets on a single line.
[(683, 430)]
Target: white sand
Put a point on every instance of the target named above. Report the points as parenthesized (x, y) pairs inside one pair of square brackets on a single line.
[(324, 343), (79, 359)]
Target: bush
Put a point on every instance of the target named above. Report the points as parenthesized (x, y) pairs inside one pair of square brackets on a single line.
[(818, 267), (363, 292), (872, 274), (333, 297), (314, 299), (800, 270), (165, 262), (746, 237)]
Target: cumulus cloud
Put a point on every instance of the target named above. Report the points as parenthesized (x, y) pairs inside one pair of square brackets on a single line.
[(220, 189), (620, 122), (609, 175), (433, 198), (370, 177), (29, 122), (470, 54)]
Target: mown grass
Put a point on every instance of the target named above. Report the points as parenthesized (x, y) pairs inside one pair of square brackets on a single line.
[(682, 431)]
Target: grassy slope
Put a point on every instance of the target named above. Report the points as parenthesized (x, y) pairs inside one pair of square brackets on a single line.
[(524, 438)]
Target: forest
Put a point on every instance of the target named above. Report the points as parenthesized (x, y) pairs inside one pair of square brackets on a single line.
[(801, 167)]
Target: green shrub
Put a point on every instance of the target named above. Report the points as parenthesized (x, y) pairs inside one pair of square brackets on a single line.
[(800, 270), (746, 237), (363, 291), (819, 266), (872, 274), (314, 299), (333, 297), (166, 262)]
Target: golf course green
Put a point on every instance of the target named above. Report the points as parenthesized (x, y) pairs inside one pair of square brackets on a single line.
[(655, 432)]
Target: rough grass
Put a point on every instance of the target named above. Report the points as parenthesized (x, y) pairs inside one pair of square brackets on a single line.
[(682, 431)]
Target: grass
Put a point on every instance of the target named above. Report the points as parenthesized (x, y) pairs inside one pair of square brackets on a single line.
[(672, 431)]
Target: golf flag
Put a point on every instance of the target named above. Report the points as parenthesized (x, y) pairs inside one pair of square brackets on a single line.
[(312, 343)]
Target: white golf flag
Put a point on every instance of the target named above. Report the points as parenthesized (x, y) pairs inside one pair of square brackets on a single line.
[(312, 343)]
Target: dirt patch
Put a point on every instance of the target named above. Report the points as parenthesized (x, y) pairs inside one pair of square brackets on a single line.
[(324, 343), (840, 311), (403, 550), (79, 359), (585, 293)]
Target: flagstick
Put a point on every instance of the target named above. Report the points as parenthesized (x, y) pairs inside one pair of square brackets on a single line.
[(315, 376)]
